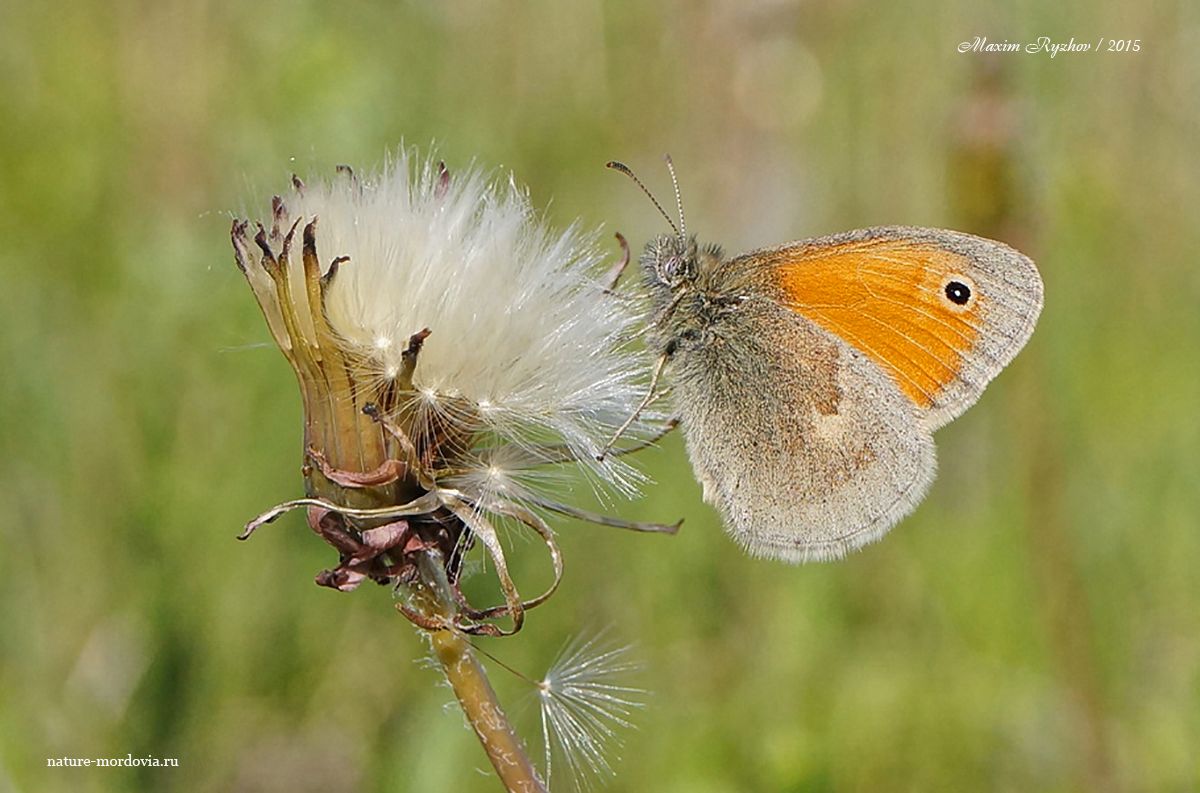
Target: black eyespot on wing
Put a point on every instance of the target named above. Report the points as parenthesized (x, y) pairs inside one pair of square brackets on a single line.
[(958, 293)]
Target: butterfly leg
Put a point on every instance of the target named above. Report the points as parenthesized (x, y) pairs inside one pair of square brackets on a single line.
[(666, 430), (552, 454), (651, 396), (607, 520)]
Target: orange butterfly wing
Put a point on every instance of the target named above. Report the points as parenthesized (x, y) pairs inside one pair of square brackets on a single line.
[(940, 311)]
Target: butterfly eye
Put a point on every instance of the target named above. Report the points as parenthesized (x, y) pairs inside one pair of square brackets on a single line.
[(671, 268), (674, 266), (958, 290)]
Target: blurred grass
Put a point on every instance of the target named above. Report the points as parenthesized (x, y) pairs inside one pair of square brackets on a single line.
[(1032, 627)]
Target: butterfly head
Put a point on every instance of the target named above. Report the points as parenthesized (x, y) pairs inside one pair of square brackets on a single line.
[(670, 261)]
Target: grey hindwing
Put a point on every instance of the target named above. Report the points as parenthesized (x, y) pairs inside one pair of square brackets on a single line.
[(806, 448)]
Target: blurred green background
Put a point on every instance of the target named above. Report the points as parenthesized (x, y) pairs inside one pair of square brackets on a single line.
[(1034, 626)]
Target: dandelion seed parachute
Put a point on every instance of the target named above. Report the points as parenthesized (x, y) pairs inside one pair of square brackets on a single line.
[(584, 704)]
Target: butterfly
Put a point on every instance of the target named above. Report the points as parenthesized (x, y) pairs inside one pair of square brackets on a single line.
[(809, 378)]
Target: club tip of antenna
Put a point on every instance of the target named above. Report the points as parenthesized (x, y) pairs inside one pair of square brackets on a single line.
[(625, 169)]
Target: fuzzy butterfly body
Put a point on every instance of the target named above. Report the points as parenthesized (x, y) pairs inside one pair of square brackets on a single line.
[(809, 378)]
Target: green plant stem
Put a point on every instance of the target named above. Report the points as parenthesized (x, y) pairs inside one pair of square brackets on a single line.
[(473, 689)]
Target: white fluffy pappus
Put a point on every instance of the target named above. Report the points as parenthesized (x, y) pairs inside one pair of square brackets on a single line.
[(526, 345), (584, 705)]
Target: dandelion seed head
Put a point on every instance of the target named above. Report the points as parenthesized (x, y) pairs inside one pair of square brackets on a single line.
[(448, 341), (524, 339)]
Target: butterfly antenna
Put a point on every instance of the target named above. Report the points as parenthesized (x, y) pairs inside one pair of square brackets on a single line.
[(623, 168), (678, 198)]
